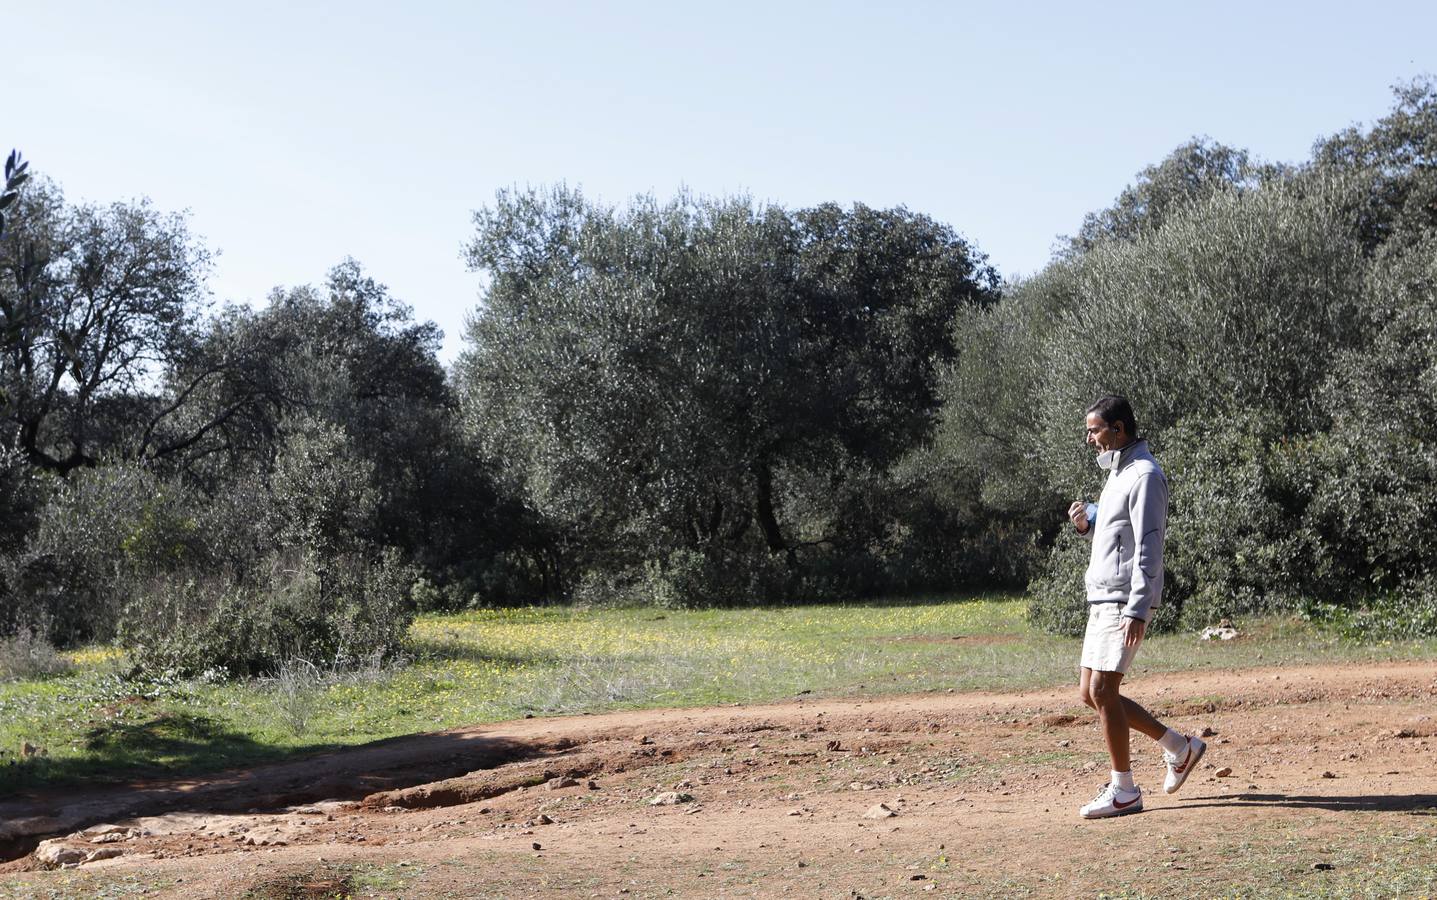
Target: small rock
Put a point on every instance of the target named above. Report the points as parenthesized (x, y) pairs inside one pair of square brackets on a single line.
[(670, 798), (104, 853), (537, 846), (919, 877), (1208, 731), (544, 820), (95, 831), (558, 784), (645, 739), (879, 811), (1065, 743), (1224, 772), (54, 854), (1322, 867), (1328, 775), (593, 785)]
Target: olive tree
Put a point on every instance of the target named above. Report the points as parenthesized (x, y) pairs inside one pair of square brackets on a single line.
[(102, 298), (661, 379)]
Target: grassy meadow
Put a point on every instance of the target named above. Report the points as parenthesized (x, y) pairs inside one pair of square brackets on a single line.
[(92, 723)]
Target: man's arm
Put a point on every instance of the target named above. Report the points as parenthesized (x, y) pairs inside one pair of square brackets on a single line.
[(1148, 510)]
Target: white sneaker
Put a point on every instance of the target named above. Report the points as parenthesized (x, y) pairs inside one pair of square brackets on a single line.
[(1113, 801), (1181, 766)]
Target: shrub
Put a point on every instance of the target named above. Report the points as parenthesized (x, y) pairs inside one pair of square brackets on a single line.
[(689, 579), (335, 612), (1234, 541), (1057, 602), (1373, 477), (103, 531), (1409, 612), (27, 654)]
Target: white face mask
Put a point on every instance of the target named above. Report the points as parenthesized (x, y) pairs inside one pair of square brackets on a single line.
[(1108, 458)]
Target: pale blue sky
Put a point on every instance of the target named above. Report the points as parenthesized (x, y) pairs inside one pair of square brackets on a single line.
[(299, 133)]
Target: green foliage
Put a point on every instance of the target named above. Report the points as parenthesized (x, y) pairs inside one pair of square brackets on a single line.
[(95, 300), (14, 177), (1274, 330), (28, 654), (101, 535), (704, 402), (1232, 549), (687, 579), (335, 611), (1190, 174), (324, 493), (1396, 160), (23, 492), (1409, 612), (1056, 602), (670, 383), (1224, 308)]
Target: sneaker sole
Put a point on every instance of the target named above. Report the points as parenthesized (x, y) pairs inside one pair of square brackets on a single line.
[(1192, 764), (1125, 811)]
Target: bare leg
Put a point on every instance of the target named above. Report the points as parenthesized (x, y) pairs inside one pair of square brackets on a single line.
[(1117, 714), (1103, 688), (1140, 719)]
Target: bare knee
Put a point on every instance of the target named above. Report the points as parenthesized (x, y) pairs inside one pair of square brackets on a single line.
[(1086, 696), (1104, 692)]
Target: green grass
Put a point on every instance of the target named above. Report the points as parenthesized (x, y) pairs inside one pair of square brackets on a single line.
[(489, 665)]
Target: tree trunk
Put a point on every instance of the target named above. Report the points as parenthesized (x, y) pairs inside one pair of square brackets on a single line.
[(764, 507)]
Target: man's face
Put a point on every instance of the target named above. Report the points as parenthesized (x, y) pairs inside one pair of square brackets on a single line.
[(1104, 436)]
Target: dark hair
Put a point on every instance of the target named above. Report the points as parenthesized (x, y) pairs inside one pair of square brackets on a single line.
[(1113, 408)]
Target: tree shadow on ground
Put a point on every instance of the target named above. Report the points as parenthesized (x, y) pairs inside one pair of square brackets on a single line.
[(164, 744), (1416, 804), (268, 777)]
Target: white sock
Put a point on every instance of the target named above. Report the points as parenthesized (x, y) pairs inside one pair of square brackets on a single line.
[(1124, 780), (1173, 742)]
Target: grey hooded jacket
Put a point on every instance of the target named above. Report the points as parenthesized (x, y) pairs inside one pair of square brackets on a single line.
[(1127, 534)]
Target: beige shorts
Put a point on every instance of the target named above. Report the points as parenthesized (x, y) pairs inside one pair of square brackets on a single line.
[(1103, 649)]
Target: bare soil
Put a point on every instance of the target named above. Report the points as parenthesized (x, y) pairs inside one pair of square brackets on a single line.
[(1313, 774)]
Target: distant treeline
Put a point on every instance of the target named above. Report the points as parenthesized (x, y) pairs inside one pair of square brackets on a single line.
[(712, 401)]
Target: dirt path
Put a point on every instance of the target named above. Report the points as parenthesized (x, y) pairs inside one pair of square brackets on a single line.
[(1331, 789)]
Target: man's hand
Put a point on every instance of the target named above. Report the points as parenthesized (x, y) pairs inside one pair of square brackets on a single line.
[(1078, 515), (1133, 631)]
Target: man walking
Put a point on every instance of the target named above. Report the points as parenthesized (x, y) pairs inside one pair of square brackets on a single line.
[(1125, 583)]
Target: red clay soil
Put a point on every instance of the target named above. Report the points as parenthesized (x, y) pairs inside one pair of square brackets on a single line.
[(1313, 775)]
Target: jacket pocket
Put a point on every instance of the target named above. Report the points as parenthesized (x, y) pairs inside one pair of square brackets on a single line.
[(1117, 563)]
